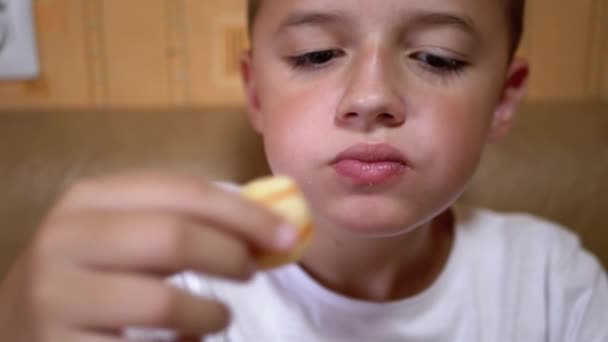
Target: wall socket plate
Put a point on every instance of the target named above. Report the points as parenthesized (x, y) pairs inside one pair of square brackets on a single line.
[(18, 51)]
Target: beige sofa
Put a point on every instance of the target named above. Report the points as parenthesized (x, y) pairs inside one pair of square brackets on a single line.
[(555, 163)]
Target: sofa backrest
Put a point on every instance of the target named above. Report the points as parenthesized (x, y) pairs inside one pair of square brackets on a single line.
[(554, 164)]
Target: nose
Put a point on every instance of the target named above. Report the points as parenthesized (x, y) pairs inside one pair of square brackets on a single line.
[(372, 97)]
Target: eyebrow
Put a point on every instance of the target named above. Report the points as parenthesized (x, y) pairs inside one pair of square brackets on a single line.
[(462, 22), (418, 19), (311, 18)]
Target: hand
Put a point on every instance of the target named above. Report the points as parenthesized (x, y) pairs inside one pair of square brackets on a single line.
[(99, 262)]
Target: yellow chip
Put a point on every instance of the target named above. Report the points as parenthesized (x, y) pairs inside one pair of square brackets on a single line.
[(281, 195)]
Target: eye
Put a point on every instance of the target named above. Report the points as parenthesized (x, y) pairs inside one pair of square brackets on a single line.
[(314, 59), (438, 63)]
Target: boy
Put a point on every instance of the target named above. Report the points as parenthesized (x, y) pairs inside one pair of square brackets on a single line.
[(380, 111)]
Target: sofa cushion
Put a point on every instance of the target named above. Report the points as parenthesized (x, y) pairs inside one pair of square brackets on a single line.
[(554, 163)]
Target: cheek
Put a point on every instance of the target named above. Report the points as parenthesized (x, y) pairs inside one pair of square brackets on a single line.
[(295, 121), (456, 136)]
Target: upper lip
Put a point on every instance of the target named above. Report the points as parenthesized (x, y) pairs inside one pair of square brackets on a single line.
[(372, 153)]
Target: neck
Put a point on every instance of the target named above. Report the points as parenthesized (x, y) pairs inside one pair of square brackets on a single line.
[(380, 269)]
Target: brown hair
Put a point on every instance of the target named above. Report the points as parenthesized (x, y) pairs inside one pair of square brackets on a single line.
[(515, 14)]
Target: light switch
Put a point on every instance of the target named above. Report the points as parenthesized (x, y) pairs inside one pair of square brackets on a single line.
[(18, 52)]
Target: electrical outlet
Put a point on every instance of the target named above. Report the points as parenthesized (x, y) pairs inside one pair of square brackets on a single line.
[(3, 24), (18, 52)]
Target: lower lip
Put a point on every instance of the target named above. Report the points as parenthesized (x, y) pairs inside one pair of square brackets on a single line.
[(370, 173)]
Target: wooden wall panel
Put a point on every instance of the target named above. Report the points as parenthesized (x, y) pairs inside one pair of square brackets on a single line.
[(215, 36), (558, 45), (95, 53), (136, 41), (142, 53), (61, 45), (598, 53), (602, 53), (178, 54)]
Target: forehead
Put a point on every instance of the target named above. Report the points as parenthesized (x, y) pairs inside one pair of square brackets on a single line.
[(485, 16)]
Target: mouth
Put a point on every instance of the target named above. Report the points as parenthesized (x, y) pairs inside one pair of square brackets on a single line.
[(371, 164)]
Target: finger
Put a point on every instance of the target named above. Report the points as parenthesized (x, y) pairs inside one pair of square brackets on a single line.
[(186, 196), (157, 243), (93, 337), (190, 339), (123, 301)]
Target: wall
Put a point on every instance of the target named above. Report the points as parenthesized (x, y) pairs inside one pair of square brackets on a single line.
[(567, 44), (152, 53)]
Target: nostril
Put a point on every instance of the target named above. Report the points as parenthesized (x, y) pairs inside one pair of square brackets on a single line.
[(386, 117), (350, 115)]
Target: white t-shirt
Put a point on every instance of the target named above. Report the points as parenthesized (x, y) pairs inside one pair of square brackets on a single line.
[(510, 277)]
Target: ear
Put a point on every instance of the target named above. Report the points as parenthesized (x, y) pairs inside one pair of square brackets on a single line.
[(254, 112), (513, 94)]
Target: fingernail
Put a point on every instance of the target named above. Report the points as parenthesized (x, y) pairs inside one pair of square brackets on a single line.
[(286, 236)]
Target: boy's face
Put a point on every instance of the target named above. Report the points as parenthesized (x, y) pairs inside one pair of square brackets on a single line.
[(425, 77)]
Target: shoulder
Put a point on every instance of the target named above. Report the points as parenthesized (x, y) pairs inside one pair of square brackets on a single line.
[(527, 245), (518, 229), (542, 262), (535, 248)]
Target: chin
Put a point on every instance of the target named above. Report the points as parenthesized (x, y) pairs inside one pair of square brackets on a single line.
[(372, 216)]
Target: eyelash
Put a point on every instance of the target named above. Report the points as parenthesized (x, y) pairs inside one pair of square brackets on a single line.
[(307, 60), (432, 62), (438, 64)]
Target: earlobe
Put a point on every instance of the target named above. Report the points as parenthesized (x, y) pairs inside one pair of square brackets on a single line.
[(513, 94), (254, 112)]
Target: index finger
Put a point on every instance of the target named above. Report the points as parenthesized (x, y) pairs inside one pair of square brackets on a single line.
[(189, 196)]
